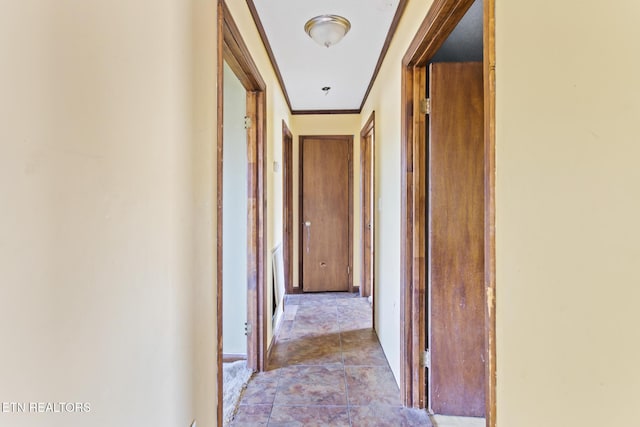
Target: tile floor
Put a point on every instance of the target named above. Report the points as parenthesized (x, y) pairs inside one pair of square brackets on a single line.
[(326, 369)]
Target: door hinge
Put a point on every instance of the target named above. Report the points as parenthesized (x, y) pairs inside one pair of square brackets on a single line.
[(425, 359), (425, 106), (247, 328), (247, 122), (348, 270)]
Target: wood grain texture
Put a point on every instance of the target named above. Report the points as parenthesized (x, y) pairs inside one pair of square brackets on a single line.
[(258, 138), (419, 277), (406, 232), (326, 204), (367, 248), (456, 239), (219, 235), (490, 204), (253, 228), (287, 206), (352, 287)]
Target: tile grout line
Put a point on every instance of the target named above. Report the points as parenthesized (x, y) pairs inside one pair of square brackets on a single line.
[(341, 311), (278, 376), (344, 368), (275, 394)]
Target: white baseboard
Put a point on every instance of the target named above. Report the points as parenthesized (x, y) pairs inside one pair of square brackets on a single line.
[(449, 421)]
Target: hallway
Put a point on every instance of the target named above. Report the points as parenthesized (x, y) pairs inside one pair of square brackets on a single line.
[(327, 368)]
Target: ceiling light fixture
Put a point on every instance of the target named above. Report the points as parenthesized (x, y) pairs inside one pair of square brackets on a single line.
[(327, 30)]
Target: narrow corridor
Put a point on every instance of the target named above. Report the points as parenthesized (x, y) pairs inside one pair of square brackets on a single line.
[(327, 368)]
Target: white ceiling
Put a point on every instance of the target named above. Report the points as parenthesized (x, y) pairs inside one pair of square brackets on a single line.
[(306, 67)]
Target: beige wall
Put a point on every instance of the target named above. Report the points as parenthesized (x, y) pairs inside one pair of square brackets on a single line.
[(568, 203), (327, 124), (106, 224)]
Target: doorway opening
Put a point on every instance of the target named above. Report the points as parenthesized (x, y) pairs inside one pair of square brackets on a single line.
[(233, 51), (234, 258), (442, 18)]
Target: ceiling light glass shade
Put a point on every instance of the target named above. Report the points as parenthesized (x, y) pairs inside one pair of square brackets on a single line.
[(327, 30)]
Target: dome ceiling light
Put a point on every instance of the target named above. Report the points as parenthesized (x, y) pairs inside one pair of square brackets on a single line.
[(327, 30)]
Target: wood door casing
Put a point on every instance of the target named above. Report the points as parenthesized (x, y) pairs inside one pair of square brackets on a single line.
[(287, 207), (325, 191), (367, 209), (456, 239)]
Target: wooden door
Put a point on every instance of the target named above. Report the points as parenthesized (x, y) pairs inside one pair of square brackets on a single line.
[(367, 209), (456, 239), (325, 234)]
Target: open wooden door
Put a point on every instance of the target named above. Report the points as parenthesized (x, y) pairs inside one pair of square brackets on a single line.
[(456, 240), (325, 233)]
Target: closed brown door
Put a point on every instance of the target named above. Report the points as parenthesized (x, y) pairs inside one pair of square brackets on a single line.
[(325, 233), (456, 239)]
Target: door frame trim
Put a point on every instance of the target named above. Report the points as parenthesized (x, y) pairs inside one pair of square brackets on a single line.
[(287, 208), (368, 128), (231, 48), (440, 20), (349, 139)]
